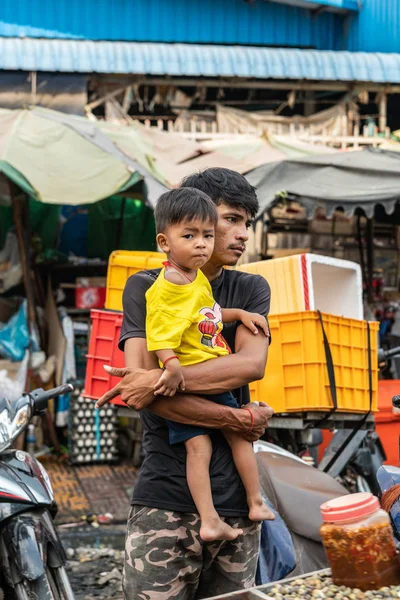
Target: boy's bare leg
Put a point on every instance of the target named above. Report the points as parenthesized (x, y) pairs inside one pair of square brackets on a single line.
[(246, 464), (198, 456)]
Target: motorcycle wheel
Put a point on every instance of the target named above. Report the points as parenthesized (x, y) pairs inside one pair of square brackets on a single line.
[(52, 585)]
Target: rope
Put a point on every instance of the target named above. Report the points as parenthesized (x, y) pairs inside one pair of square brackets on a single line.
[(390, 497), (305, 282)]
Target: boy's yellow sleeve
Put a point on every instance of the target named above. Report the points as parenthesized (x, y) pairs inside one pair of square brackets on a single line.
[(164, 330)]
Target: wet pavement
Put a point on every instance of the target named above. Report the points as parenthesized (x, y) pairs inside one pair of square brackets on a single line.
[(95, 561)]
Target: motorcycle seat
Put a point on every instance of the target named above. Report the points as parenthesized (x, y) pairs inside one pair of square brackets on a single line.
[(297, 490)]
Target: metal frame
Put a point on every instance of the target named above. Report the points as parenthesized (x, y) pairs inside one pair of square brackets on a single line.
[(258, 592), (320, 420)]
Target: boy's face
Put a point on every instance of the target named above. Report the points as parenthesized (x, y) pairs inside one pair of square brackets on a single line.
[(189, 244)]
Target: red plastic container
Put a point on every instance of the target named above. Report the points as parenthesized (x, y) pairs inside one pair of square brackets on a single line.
[(103, 350)]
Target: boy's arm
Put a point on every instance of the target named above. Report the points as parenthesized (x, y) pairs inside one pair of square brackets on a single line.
[(172, 378), (251, 320)]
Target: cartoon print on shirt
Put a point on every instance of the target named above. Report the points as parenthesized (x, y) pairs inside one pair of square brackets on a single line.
[(211, 326)]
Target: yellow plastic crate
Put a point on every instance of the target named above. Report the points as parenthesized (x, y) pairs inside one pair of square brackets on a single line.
[(296, 377), (304, 282), (121, 265), (285, 279)]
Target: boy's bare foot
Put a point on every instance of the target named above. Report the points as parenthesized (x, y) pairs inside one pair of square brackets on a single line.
[(218, 530), (260, 512)]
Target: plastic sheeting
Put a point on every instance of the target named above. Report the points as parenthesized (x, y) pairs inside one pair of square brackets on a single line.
[(74, 163), (349, 180), (14, 336)]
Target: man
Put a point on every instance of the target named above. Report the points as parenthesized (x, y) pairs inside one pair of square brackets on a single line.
[(165, 557)]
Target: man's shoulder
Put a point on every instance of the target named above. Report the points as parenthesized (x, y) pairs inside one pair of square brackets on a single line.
[(141, 280)]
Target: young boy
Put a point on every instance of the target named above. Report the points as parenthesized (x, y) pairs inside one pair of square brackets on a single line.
[(183, 327)]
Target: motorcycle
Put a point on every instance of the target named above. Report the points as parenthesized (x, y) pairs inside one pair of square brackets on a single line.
[(32, 558), (294, 490), (388, 478)]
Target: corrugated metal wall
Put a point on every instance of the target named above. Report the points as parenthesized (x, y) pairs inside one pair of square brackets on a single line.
[(377, 27), (196, 21)]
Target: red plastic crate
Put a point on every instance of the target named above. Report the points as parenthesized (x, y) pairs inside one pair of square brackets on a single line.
[(103, 350)]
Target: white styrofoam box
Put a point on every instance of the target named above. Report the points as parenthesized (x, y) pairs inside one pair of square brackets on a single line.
[(312, 282), (334, 286)]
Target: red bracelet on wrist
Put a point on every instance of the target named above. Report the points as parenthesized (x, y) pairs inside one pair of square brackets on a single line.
[(252, 421), (169, 358)]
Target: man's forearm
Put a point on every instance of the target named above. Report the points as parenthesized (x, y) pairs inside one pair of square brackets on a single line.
[(230, 373), (193, 410)]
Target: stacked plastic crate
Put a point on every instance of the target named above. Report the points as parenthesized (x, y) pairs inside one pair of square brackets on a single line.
[(296, 378), (106, 324)]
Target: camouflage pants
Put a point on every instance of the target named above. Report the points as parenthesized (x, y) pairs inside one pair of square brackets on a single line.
[(165, 559)]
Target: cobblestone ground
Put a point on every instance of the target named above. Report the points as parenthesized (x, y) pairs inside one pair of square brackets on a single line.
[(95, 555), (88, 490)]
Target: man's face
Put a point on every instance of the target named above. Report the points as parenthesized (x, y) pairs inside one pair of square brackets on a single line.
[(231, 234)]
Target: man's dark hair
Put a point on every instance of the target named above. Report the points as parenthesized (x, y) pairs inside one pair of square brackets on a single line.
[(225, 186), (183, 204)]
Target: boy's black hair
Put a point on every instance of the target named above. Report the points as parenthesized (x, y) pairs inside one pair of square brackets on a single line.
[(183, 204), (225, 186)]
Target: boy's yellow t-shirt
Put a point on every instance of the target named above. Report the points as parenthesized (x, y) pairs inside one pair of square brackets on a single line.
[(186, 319)]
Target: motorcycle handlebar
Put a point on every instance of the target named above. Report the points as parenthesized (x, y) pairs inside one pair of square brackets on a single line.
[(385, 354), (41, 397)]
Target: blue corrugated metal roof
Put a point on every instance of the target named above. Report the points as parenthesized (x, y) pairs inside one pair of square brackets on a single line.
[(376, 27), (172, 21), (196, 60)]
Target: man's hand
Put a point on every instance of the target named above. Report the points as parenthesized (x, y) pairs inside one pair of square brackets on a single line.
[(136, 387), (262, 414)]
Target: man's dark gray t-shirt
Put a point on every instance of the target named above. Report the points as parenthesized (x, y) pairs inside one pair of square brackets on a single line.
[(162, 478)]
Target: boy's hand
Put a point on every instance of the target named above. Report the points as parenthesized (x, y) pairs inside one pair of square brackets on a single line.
[(171, 380), (253, 320)]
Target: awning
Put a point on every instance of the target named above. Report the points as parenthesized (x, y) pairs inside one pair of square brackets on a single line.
[(63, 159), (331, 5), (196, 60), (348, 180)]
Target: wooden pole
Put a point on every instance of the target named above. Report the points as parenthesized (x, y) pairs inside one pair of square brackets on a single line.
[(361, 250), (382, 112), (370, 258), (19, 206), (120, 228)]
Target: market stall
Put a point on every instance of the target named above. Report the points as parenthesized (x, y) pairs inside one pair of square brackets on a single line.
[(68, 197)]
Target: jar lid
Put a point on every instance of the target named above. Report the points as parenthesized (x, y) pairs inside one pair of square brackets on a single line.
[(351, 506)]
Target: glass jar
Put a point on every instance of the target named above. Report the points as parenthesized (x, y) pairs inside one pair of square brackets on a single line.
[(358, 540)]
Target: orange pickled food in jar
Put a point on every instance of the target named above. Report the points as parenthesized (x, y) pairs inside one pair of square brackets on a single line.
[(358, 540)]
